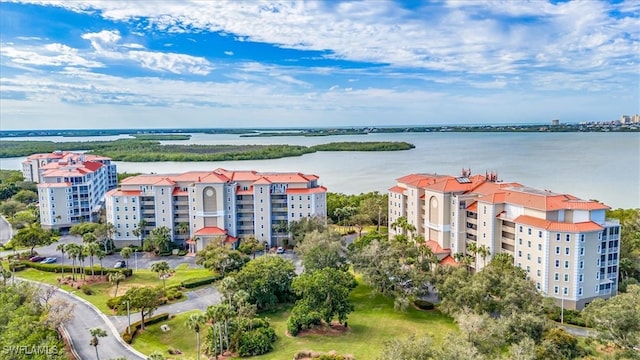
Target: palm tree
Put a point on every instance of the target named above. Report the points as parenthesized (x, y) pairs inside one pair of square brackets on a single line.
[(182, 228), (100, 254), (161, 238), (95, 334), (194, 322), (62, 248), (162, 268), (72, 252), (484, 252), (142, 224), (125, 253), (473, 247), (403, 226), (92, 250), (116, 277), (82, 255)]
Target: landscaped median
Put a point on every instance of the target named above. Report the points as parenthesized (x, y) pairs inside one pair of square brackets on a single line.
[(98, 290)]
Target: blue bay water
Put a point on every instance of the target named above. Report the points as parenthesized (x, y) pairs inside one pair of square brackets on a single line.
[(601, 166)]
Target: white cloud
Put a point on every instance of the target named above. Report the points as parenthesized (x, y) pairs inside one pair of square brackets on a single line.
[(107, 44), (53, 54), (228, 53)]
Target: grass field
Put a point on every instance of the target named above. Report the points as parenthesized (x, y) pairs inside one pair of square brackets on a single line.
[(179, 337), (105, 291), (372, 323)]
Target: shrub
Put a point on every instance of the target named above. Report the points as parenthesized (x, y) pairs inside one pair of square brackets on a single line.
[(128, 337), (173, 294), (573, 317), (182, 252), (114, 303), (192, 283), (87, 290), (423, 304), (56, 268), (301, 318), (256, 342)]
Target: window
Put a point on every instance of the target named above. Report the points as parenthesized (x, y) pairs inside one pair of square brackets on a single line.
[(566, 277), (538, 272), (565, 291), (566, 251), (300, 214), (580, 277), (580, 292), (529, 243), (566, 264), (520, 228), (581, 237), (528, 269), (293, 206), (528, 256), (538, 286), (557, 263), (581, 251), (539, 260), (540, 247), (540, 234), (520, 241), (556, 276), (555, 289), (581, 264), (558, 237), (529, 231), (519, 253), (558, 250), (568, 237), (293, 215)]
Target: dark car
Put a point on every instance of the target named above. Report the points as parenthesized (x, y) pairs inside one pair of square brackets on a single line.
[(37, 258), (120, 264)]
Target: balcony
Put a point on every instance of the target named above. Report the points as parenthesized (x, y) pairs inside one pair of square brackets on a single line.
[(472, 215), (472, 221), (245, 202), (433, 226), (210, 213), (612, 262), (507, 235), (507, 247), (278, 201), (471, 237)]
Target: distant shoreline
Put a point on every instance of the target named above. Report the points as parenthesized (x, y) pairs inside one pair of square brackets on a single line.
[(322, 131)]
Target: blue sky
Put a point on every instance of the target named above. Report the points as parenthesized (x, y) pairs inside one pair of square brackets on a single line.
[(143, 64)]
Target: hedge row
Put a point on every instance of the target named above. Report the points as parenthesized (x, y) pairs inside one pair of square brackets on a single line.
[(135, 326), (192, 283), (68, 268)]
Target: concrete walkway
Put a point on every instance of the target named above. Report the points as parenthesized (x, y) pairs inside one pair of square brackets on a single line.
[(196, 300)]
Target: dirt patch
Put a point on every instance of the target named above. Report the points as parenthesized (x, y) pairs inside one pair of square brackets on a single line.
[(310, 355), (90, 280), (335, 328)]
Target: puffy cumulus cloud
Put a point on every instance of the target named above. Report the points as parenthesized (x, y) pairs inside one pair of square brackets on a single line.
[(481, 37), (53, 54), (107, 44)]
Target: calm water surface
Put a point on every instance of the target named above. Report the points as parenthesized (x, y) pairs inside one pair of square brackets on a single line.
[(602, 166)]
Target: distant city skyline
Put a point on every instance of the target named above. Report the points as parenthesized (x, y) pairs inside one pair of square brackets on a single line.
[(193, 64)]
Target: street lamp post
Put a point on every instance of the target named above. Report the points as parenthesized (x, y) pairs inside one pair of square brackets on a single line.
[(129, 318), (135, 258), (562, 308)]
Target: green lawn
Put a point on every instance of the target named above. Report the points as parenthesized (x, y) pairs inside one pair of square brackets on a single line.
[(105, 291), (373, 322), (179, 337)]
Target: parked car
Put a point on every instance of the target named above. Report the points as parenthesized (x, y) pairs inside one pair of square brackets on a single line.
[(37, 258), (120, 264), (280, 250), (49, 260)]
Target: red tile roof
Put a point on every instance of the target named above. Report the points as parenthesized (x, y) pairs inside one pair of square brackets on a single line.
[(210, 231), (588, 226), (178, 192), (435, 247), (397, 189), (473, 207), (448, 260), (262, 181)]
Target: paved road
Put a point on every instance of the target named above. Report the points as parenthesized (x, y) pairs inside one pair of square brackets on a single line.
[(86, 317), (196, 300)]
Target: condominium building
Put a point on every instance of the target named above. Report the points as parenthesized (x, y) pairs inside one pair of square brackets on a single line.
[(219, 205), (71, 186), (565, 244)]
